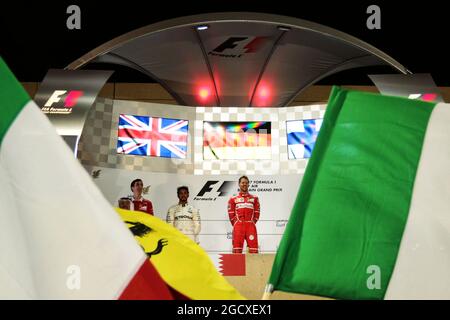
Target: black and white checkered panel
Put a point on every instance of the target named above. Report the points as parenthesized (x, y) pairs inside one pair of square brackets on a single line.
[(98, 142), (294, 166), (99, 148), (94, 147), (233, 167)]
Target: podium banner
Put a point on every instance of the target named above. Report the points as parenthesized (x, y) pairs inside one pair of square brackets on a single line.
[(66, 96), (210, 194)]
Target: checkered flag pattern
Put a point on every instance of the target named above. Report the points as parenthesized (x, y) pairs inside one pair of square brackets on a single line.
[(94, 147), (234, 167), (98, 142), (295, 166)]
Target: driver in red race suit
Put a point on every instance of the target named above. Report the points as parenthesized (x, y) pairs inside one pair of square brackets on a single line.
[(243, 211), (138, 203)]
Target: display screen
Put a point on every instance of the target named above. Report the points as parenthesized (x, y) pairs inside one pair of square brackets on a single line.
[(151, 136), (301, 137), (236, 140)]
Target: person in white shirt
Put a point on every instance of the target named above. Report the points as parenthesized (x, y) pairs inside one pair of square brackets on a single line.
[(184, 216)]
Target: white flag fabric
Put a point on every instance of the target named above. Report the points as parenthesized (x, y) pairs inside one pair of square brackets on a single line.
[(59, 238)]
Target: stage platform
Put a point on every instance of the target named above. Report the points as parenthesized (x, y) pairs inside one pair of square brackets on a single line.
[(257, 271)]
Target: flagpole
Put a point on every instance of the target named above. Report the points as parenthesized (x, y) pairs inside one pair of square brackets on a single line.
[(268, 290)]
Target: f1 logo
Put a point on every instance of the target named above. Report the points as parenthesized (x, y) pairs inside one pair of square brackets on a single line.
[(230, 43), (223, 190), (70, 100), (253, 44)]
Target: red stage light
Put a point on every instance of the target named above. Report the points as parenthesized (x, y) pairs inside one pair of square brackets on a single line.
[(264, 93), (263, 96), (203, 93)]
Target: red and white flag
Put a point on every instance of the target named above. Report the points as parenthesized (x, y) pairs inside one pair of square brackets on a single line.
[(60, 238)]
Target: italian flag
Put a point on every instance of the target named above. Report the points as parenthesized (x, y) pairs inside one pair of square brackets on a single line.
[(60, 238), (372, 216)]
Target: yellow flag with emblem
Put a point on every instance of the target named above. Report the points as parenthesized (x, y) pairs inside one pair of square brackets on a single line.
[(182, 263)]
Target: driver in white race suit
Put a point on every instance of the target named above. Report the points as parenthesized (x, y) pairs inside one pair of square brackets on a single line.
[(184, 216)]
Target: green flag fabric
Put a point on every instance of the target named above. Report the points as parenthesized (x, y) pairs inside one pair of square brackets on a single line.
[(372, 216)]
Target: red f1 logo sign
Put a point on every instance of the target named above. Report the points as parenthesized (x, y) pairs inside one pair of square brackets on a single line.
[(70, 100), (423, 96), (235, 47)]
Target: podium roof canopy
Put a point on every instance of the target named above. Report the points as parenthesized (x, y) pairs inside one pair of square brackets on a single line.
[(237, 59)]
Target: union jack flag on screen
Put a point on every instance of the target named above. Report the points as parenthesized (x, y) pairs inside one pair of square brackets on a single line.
[(150, 136)]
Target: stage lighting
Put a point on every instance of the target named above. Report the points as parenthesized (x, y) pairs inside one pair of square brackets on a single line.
[(203, 93), (264, 93), (203, 27)]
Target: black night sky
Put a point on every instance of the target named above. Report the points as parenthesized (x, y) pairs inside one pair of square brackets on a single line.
[(34, 37)]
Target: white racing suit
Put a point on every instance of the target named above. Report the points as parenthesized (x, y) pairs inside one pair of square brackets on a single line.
[(186, 219)]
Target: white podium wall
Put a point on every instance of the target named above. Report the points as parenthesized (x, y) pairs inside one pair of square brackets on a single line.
[(275, 181)]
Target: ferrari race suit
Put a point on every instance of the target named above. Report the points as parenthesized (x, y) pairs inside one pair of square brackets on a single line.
[(243, 211), (141, 204), (186, 219)]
